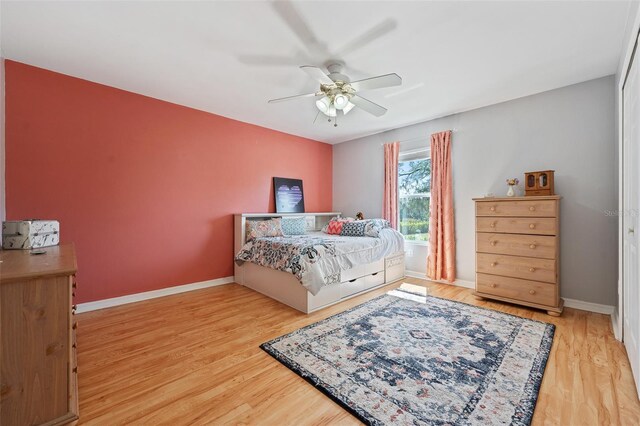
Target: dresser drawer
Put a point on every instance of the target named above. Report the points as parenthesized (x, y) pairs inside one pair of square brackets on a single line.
[(517, 267), (514, 288), (517, 245), (517, 225), (536, 208)]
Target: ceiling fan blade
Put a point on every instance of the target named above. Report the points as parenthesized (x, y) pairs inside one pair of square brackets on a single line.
[(387, 80), (288, 98), (317, 74), (369, 36), (299, 26), (367, 105)]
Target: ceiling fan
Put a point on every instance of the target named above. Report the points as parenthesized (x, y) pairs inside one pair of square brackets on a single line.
[(338, 93)]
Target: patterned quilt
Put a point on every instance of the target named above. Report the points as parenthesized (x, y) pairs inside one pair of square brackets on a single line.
[(316, 259)]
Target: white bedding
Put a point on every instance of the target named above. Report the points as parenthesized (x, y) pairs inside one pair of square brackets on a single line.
[(317, 259)]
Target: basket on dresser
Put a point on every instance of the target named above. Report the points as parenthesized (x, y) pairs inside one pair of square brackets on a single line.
[(518, 251)]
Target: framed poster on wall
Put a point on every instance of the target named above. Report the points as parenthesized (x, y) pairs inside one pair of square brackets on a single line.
[(288, 194)]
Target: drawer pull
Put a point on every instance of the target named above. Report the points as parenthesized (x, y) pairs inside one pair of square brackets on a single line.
[(493, 224), (532, 246), (494, 263), (532, 226), (375, 273), (75, 325), (532, 269), (73, 294), (353, 280), (532, 292), (493, 209), (494, 285), (532, 209), (74, 346), (75, 370), (494, 242)]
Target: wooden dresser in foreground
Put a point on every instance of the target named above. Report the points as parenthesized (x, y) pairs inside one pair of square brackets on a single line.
[(38, 382), (518, 251)]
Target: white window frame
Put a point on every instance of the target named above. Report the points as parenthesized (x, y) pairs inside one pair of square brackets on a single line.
[(410, 155)]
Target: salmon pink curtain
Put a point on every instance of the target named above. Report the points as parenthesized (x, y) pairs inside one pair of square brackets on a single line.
[(441, 262), (390, 199)]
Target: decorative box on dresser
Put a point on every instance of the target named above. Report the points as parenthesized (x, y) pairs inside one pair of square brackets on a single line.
[(38, 383), (518, 251)]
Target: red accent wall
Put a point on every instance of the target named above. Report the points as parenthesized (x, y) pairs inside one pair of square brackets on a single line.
[(146, 189)]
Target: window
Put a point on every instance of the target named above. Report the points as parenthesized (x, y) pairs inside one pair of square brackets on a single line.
[(414, 195)]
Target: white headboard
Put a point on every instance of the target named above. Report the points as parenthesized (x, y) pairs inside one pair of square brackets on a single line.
[(315, 222)]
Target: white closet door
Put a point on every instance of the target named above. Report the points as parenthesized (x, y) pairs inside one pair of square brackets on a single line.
[(631, 197)]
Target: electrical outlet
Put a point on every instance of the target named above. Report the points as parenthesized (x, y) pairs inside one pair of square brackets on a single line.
[(408, 253)]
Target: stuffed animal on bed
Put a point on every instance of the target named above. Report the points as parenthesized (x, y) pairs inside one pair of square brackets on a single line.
[(359, 216)]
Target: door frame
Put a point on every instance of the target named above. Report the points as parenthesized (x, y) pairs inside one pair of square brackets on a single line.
[(629, 50)]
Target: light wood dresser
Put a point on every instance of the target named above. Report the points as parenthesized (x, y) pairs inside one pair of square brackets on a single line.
[(38, 382), (518, 251)]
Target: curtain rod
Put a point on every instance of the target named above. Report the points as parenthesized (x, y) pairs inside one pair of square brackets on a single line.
[(419, 138), (414, 151)]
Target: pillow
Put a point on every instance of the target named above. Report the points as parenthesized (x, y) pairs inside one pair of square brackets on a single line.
[(371, 229), (335, 228), (263, 228), (294, 225), (381, 223), (353, 229)]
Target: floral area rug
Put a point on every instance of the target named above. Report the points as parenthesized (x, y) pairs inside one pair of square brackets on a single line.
[(415, 360)]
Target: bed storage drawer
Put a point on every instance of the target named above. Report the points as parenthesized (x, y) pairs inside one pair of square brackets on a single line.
[(353, 286), (350, 274), (327, 295), (374, 279), (372, 268)]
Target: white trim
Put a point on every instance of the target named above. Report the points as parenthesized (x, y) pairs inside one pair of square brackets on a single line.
[(588, 306), (417, 243), (457, 283), (614, 324), (623, 67), (132, 298)]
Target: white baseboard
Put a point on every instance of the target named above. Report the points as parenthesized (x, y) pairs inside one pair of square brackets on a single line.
[(614, 323), (132, 298), (569, 303), (458, 283), (588, 306)]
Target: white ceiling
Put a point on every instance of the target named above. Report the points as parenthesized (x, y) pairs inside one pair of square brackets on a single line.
[(219, 57)]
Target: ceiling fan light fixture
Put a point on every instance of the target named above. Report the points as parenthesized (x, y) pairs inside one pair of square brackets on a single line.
[(324, 104), (331, 112), (347, 108), (340, 101)]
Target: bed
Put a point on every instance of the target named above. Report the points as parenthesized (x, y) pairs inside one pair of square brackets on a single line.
[(345, 267)]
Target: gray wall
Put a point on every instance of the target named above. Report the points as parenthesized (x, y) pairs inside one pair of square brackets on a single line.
[(570, 130)]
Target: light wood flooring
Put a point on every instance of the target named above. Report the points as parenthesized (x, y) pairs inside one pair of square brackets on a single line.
[(193, 358)]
